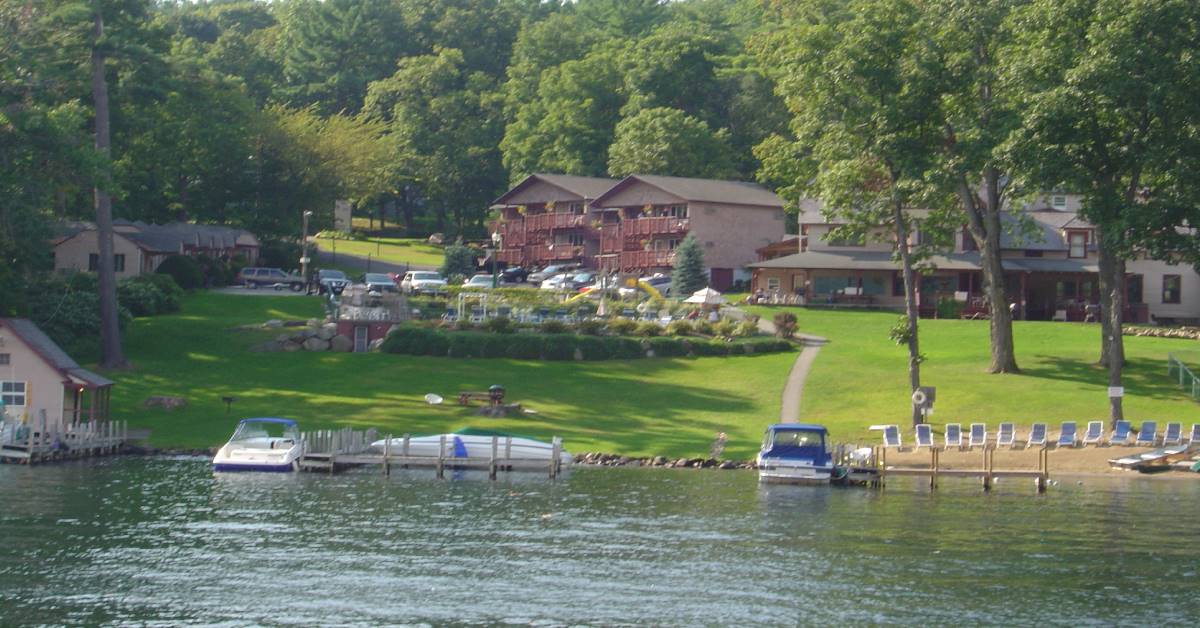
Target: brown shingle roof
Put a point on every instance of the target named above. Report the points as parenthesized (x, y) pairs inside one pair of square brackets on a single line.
[(586, 188), (51, 353), (701, 190)]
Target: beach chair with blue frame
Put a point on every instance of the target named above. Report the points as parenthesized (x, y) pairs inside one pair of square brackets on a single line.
[(924, 433), (1066, 434), (1148, 434), (1194, 437), (891, 436), (1173, 434), (1095, 430), (953, 436), (1006, 435), (1037, 435), (1121, 433), (977, 436)]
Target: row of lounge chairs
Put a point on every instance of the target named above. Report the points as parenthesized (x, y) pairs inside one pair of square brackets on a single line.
[(1006, 435)]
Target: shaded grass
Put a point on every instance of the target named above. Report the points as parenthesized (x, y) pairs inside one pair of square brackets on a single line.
[(672, 407), (394, 250), (860, 377)]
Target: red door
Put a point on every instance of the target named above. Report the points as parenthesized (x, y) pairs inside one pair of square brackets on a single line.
[(721, 279)]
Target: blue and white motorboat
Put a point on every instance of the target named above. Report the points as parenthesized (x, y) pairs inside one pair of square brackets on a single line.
[(795, 453), (263, 444)]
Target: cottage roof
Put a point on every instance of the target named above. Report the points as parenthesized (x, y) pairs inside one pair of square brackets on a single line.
[(863, 260), (51, 353), (168, 238), (700, 190), (584, 187)]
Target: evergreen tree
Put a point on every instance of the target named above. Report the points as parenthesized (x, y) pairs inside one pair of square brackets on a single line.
[(689, 274)]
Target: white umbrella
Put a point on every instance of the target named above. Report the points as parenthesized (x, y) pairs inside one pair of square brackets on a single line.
[(707, 296)]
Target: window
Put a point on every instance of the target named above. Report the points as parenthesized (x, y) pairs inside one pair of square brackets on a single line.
[(831, 241), (1077, 242), (678, 211), (1171, 285), (5, 359), (576, 208), (1065, 290), (93, 262), (1058, 201), (772, 283), (1133, 289), (575, 239), (13, 394), (671, 244), (897, 284), (968, 241), (119, 263)]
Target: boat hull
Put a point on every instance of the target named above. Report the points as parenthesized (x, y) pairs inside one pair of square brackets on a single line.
[(472, 446), (784, 471), (268, 468)]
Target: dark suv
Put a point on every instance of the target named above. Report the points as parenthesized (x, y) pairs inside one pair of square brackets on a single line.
[(331, 281), (254, 277)]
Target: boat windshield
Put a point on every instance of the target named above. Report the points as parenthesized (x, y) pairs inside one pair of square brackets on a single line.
[(248, 430), (798, 438)]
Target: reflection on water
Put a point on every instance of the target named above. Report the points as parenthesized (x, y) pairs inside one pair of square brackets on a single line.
[(166, 541)]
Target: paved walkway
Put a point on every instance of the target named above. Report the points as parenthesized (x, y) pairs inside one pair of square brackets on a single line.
[(789, 409)]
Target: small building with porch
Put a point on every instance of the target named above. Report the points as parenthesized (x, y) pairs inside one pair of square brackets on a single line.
[(41, 385)]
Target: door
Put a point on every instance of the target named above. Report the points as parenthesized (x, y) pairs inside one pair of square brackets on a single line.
[(721, 279), (360, 339)]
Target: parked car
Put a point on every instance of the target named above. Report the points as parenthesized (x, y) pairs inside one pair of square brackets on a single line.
[(579, 280), (330, 281), (379, 282), (480, 281), (423, 281), (549, 271), (556, 282), (255, 277), (659, 282), (514, 274)]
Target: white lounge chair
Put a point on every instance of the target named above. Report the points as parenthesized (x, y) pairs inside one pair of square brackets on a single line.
[(1121, 433), (1148, 434), (891, 436), (953, 435), (1037, 435), (1194, 437), (1173, 435), (1066, 434), (1006, 435), (924, 435), (978, 435), (1095, 430)]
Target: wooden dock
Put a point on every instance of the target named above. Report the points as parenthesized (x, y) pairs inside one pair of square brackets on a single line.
[(330, 451), (876, 470), (39, 443)]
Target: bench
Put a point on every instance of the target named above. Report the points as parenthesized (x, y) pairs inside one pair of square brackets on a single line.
[(465, 398)]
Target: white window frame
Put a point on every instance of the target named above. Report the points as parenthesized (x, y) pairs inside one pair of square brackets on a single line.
[(1058, 201), (1071, 241), (772, 284), (678, 211), (9, 392), (5, 359)]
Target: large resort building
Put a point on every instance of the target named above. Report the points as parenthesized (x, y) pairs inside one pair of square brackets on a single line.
[(633, 225), (1051, 272)]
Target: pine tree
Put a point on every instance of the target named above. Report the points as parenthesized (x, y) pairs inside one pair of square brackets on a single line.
[(689, 275)]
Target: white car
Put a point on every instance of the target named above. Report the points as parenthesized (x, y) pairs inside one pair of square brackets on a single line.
[(426, 281), (482, 281), (560, 281), (658, 282)]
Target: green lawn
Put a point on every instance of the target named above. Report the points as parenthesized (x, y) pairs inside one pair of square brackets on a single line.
[(860, 377), (395, 250), (673, 407)]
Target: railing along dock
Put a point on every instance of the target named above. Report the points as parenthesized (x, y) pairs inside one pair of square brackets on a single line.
[(37, 442), (875, 470)]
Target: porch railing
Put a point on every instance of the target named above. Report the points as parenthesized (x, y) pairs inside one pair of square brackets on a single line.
[(1187, 379)]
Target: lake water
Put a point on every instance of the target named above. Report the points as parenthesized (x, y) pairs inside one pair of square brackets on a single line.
[(165, 541)]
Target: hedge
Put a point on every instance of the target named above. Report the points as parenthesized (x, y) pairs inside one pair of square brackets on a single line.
[(417, 340)]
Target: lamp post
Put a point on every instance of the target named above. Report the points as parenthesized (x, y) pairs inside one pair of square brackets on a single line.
[(304, 249), (497, 243)]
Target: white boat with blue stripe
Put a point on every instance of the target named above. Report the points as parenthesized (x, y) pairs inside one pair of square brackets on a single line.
[(795, 453), (262, 444)]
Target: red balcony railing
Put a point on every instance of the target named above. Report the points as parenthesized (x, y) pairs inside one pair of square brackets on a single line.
[(552, 252), (510, 256), (512, 232), (654, 225), (646, 259), (542, 222), (610, 238)]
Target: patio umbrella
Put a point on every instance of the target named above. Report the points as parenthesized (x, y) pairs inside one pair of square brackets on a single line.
[(707, 296)]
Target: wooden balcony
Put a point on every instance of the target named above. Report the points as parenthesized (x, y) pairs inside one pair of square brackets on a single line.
[(512, 232), (511, 256), (610, 238), (545, 222), (539, 253), (642, 260), (654, 225)]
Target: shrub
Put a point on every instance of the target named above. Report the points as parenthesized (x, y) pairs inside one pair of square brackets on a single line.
[(499, 325), (725, 328), (594, 348), (414, 340), (172, 293), (558, 347), (680, 328), (625, 349), (553, 327), (476, 345), (746, 329), (278, 254), (785, 324), (621, 327), (709, 347), (667, 347), (647, 329), (703, 327), (68, 311), (141, 298), (524, 346), (590, 327), (459, 260), (464, 324), (184, 270), (949, 308)]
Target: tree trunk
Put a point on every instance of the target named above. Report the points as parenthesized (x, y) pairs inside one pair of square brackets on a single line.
[(910, 304), (110, 331), (1112, 302), (983, 223)]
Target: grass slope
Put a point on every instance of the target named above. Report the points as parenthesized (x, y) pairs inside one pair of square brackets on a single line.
[(672, 407), (860, 377), (394, 250)]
